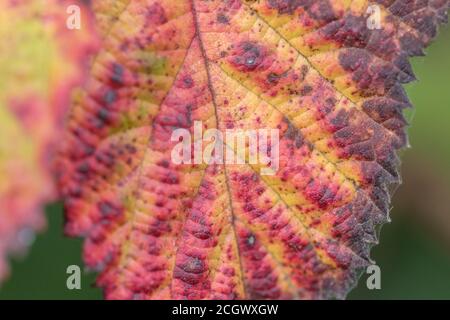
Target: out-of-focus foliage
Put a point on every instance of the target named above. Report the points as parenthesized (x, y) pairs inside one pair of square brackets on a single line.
[(40, 62)]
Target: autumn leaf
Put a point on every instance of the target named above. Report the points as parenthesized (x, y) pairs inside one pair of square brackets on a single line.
[(316, 71), (39, 65)]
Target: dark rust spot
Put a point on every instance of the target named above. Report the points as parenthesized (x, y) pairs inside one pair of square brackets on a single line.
[(248, 56), (306, 90), (108, 209), (273, 78), (156, 15), (110, 97), (186, 82), (117, 74), (194, 265), (222, 18)]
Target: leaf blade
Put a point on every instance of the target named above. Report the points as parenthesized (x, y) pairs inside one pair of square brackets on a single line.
[(160, 230)]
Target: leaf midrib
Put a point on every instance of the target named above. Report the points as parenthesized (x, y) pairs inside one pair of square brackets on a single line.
[(213, 97)]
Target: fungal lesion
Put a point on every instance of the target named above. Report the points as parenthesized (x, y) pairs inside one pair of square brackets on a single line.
[(223, 18), (248, 56), (117, 74), (109, 209), (194, 265), (273, 78)]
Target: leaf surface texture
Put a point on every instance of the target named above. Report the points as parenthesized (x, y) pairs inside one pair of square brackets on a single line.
[(311, 69)]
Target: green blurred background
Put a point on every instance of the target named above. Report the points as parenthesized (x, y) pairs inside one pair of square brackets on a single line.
[(414, 250)]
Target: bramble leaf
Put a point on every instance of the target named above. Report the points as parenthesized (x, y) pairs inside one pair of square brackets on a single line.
[(40, 62), (315, 70)]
